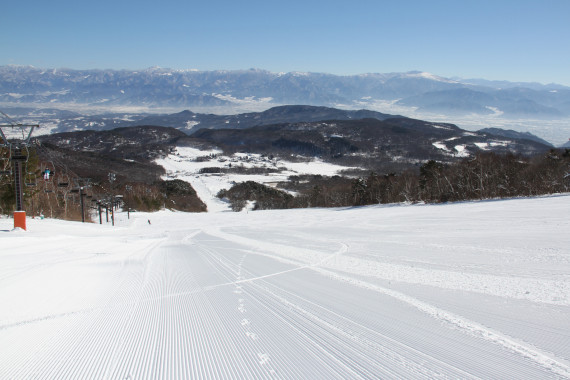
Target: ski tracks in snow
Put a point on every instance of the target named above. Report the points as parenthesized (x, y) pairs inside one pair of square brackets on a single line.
[(284, 254), (208, 303)]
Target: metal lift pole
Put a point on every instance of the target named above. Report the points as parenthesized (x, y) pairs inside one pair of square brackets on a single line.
[(16, 137), (18, 158), (81, 195)]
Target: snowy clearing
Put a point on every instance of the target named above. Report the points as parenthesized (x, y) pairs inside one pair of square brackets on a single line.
[(186, 162), (466, 290)]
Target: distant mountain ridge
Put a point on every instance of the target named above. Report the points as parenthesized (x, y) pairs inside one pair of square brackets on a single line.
[(157, 87), (514, 134), (364, 144), (59, 121), (189, 121), (368, 143)]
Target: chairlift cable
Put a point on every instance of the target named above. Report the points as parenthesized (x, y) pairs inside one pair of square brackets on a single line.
[(8, 118)]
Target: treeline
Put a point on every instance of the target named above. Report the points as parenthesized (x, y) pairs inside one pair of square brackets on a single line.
[(484, 176), (47, 199), (173, 194), (59, 196), (265, 197)]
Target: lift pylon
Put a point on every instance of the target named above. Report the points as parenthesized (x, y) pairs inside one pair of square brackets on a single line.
[(16, 137)]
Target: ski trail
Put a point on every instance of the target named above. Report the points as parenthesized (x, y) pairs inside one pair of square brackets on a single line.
[(264, 296), (284, 254), (544, 359), (266, 357), (343, 332), (205, 193), (365, 340), (238, 281), (337, 353), (231, 271)]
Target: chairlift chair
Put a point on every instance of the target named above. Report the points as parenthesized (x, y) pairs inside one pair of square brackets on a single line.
[(48, 168), (48, 186), (30, 179), (5, 167), (63, 181)]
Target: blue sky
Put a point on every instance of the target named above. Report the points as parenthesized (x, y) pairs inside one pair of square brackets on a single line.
[(512, 40)]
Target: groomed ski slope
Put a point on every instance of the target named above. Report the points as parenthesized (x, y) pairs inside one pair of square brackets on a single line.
[(466, 290)]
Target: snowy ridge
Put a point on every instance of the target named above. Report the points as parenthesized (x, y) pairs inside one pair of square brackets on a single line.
[(425, 75), (368, 292)]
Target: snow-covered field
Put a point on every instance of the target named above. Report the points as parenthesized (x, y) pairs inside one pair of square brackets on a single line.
[(186, 162), (466, 290)]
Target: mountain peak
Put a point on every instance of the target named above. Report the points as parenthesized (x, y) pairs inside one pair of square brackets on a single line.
[(430, 76)]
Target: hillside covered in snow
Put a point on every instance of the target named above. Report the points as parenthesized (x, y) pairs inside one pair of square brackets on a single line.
[(464, 290)]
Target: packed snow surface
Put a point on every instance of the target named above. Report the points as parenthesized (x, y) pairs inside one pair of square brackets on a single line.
[(466, 290)]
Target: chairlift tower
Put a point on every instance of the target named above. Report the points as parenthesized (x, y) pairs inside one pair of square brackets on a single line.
[(16, 138)]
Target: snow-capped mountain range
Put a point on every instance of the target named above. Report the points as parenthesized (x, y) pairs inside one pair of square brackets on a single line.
[(159, 87)]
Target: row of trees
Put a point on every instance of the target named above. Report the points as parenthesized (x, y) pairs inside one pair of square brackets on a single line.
[(484, 176), (174, 194), (265, 197), (41, 197), (58, 196)]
